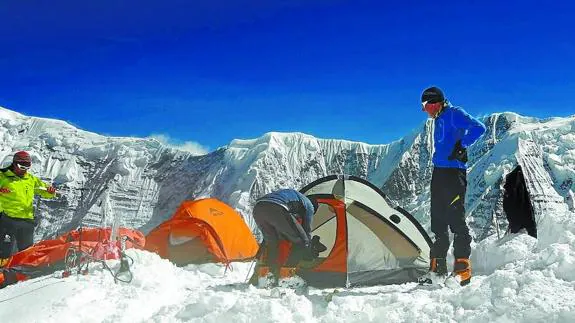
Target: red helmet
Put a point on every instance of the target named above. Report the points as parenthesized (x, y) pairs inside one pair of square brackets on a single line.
[(22, 158)]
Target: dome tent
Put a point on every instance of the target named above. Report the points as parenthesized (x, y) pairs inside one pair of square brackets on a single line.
[(202, 231), (368, 241)]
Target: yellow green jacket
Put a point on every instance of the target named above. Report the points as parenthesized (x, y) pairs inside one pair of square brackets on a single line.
[(19, 202)]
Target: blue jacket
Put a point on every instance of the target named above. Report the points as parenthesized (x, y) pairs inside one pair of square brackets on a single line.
[(295, 202), (454, 124)]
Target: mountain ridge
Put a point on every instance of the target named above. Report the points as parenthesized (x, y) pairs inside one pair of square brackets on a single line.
[(140, 181)]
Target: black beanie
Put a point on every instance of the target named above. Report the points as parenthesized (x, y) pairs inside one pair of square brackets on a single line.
[(432, 95)]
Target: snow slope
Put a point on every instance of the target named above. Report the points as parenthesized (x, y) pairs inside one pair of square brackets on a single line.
[(516, 281)]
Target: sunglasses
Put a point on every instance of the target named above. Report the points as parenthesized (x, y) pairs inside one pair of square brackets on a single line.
[(23, 167), (426, 103)]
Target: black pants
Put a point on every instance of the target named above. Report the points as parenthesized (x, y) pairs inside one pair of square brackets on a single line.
[(448, 186), (18, 230), (277, 224)]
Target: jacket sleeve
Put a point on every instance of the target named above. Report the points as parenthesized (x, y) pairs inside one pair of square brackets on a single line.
[(308, 216), (305, 240), (40, 188), (473, 128)]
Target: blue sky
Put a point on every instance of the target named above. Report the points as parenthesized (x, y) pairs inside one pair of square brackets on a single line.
[(204, 72)]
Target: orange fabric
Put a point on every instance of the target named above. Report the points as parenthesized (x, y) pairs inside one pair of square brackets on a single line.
[(337, 259), (284, 247), (47, 255), (219, 226), (157, 240), (19, 277), (50, 251), (101, 234)]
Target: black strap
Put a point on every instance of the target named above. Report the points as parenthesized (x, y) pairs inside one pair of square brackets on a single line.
[(81, 260), (124, 274)]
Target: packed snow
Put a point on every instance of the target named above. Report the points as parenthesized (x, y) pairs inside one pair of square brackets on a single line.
[(516, 279)]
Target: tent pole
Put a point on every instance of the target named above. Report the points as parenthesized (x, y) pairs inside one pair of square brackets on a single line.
[(250, 270)]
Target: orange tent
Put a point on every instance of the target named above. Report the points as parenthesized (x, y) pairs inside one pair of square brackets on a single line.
[(202, 231), (48, 256)]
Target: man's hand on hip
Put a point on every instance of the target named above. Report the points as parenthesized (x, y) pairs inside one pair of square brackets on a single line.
[(459, 152)]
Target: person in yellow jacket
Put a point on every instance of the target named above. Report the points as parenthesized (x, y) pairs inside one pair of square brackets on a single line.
[(17, 190)]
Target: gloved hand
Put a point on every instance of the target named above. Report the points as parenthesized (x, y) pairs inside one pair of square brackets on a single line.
[(51, 190), (317, 246), (4, 190), (459, 153), (314, 249)]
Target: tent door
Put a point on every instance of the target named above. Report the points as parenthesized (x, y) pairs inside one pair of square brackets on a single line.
[(193, 251), (517, 204)]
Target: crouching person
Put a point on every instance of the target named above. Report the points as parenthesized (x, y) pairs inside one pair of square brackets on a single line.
[(284, 217)]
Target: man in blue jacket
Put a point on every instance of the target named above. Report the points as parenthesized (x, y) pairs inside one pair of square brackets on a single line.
[(284, 218), (454, 132)]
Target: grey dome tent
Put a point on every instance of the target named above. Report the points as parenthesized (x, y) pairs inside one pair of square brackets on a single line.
[(368, 241)]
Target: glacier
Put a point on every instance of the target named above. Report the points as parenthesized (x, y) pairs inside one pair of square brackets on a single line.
[(139, 182)]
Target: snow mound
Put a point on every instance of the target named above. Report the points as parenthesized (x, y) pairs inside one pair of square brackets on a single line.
[(515, 281)]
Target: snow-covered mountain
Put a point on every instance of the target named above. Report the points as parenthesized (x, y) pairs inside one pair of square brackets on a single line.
[(140, 182)]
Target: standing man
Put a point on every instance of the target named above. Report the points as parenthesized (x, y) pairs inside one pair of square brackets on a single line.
[(17, 191), (454, 131), (284, 218)]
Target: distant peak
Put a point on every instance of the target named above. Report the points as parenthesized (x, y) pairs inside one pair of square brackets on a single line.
[(270, 138), (9, 114)]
